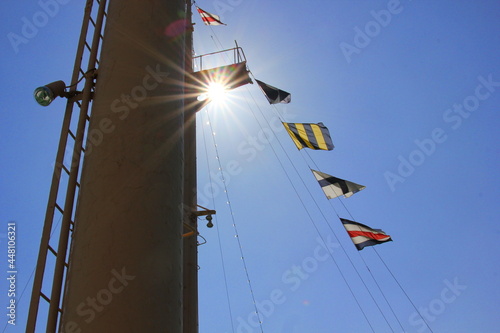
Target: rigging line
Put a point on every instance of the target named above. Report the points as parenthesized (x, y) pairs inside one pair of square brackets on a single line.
[(218, 232), (366, 265), (234, 225), (220, 46), (276, 111), (380, 289), (335, 234), (338, 198), (350, 260), (402, 289), (328, 224), (368, 268), (205, 241), (370, 272), (309, 215)]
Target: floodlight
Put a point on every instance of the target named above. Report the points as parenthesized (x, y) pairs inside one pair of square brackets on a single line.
[(209, 219), (46, 94)]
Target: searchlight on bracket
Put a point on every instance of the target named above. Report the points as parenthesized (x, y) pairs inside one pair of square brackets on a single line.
[(44, 95)]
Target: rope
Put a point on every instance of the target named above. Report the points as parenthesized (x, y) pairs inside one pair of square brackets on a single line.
[(303, 204), (366, 265), (234, 225), (307, 211), (216, 40), (368, 268), (326, 220), (402, 289), (218, 235), (380, 289)]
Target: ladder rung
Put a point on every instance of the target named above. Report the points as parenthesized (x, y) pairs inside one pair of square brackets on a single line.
[(59, 208), (65, 169), (71, 134), (45, 297), (52, 250), (48, 300)]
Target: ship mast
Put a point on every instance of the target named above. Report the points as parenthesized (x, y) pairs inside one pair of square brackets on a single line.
[(125, 270), (120, 263), (126, 258)]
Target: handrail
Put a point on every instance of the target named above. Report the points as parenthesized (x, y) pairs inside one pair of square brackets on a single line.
[(239, 55)]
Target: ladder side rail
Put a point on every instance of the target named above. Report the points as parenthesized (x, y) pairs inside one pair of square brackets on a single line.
[(54, 189), (76, 199), (55, 298)]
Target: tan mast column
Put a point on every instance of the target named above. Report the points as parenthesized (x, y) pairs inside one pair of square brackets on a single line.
[(190, 246), (125, 272)]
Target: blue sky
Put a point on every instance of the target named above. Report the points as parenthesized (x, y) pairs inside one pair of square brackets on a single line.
[(409, 91)]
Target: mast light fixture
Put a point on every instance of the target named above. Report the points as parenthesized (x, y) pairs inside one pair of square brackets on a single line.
[(44, 95)]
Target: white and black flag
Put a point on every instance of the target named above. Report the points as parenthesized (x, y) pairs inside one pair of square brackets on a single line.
[(335, 187), (273, 94)]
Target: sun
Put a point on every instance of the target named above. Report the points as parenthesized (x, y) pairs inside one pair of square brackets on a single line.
[(216, 92)]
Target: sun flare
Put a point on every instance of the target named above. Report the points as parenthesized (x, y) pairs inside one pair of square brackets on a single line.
[(216, 92)]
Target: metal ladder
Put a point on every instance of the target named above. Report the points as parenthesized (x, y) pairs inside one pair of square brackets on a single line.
[(53, 256)]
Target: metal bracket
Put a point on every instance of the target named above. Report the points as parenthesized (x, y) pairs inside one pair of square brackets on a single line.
[(204, 212)]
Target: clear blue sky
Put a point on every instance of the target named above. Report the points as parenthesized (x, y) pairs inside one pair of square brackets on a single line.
[(410, 92)]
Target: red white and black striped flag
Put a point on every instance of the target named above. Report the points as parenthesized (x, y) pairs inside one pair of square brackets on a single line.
[(208, 18), (362, 235)]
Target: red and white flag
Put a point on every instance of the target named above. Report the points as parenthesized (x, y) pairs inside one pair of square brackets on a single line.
[(208, 18), (362, 235)]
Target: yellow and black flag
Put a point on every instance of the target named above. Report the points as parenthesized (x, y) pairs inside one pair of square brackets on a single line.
[(313, 136)]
